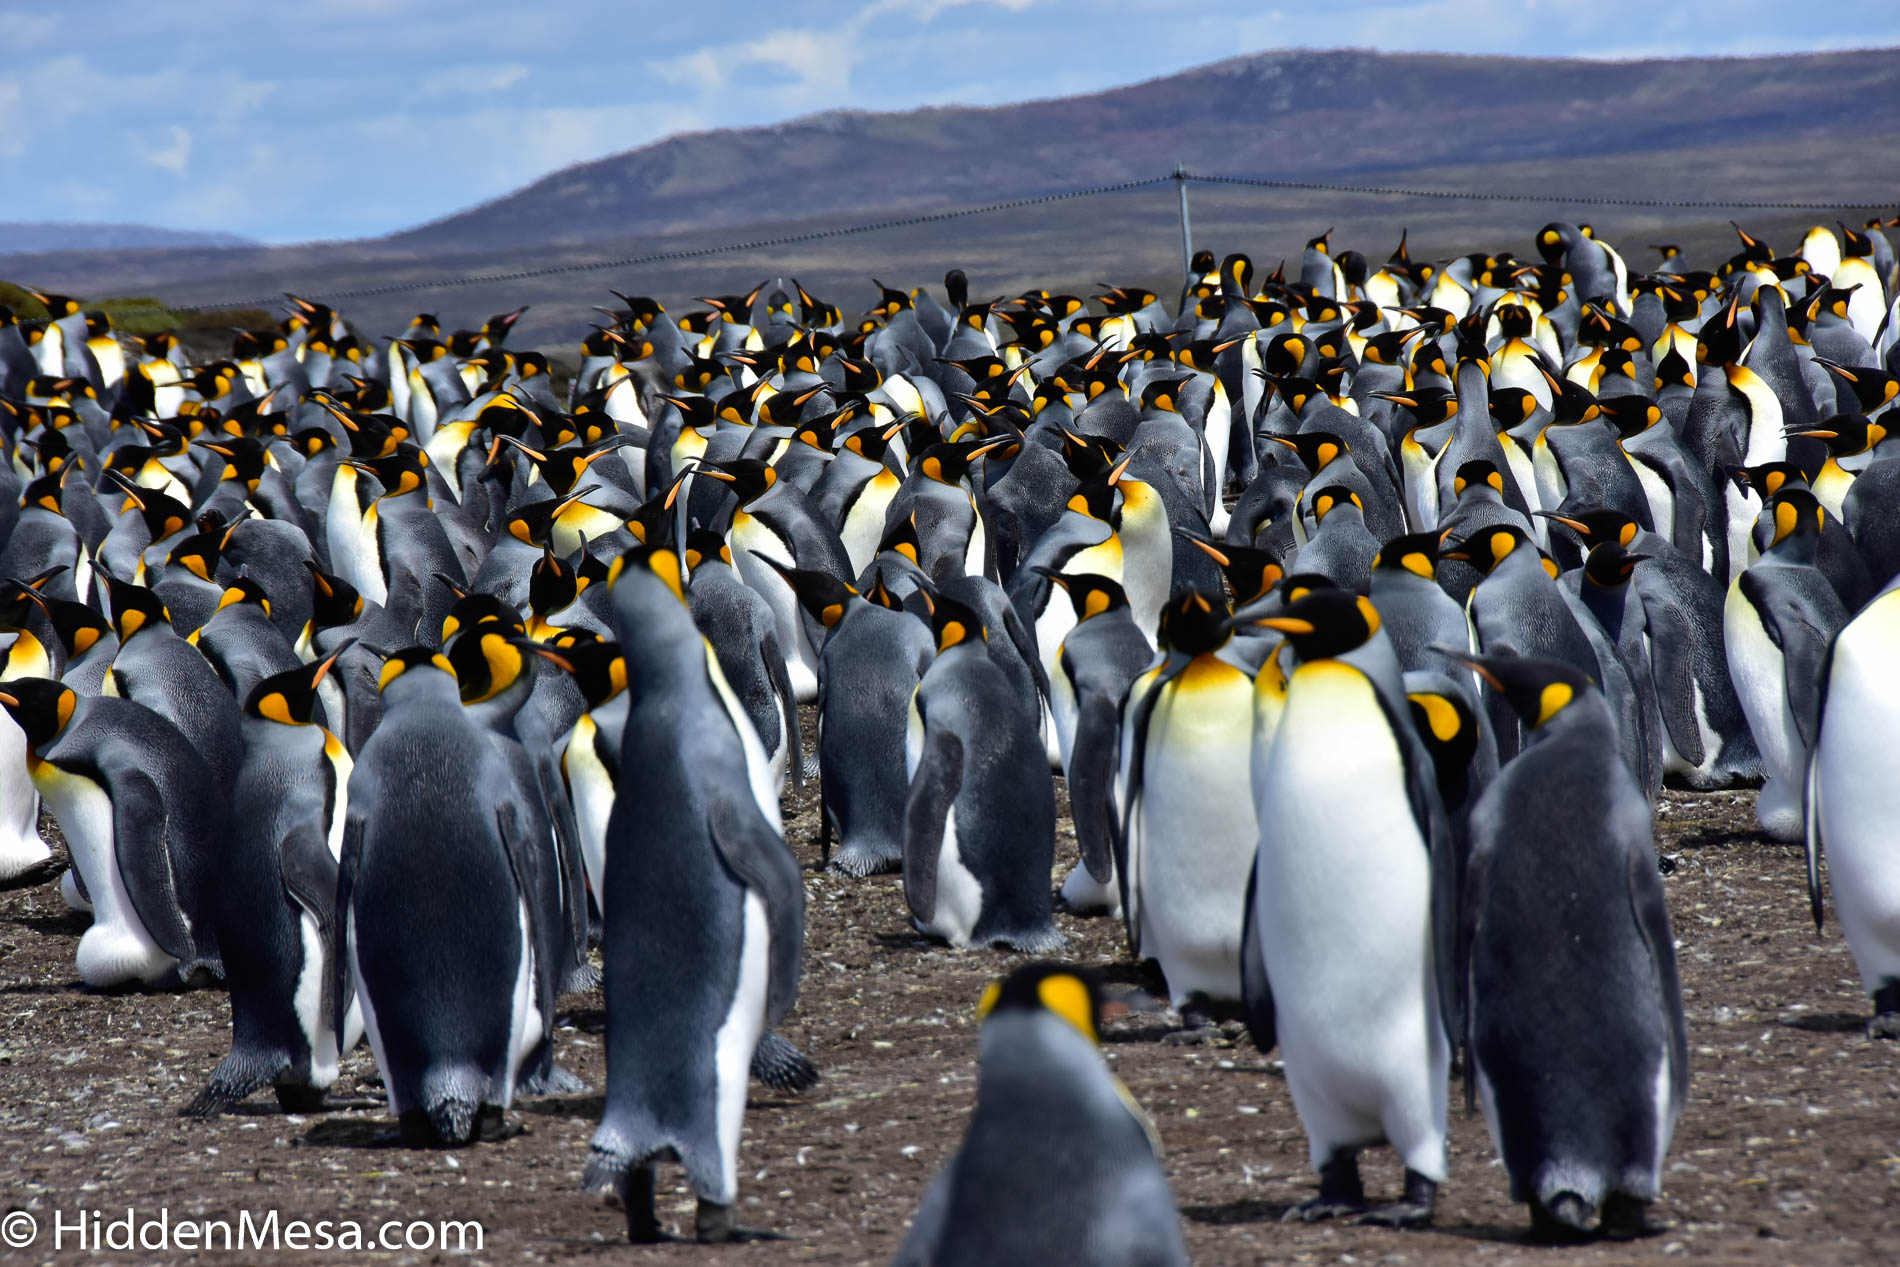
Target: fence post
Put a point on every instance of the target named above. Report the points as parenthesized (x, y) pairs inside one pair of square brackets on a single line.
[(1187, 234)]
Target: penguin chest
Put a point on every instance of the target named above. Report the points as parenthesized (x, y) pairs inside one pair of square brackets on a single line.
[(592, 789), (738, 1038), (863, 525), (1191, 840), (117, 948), (1341, 860), (20, 843), (752, 543), (1756, 667), (959, 894)]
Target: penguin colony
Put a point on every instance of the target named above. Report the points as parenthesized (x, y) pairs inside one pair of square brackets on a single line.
[(1364, 614)]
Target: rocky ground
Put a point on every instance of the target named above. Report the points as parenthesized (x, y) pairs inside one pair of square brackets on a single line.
[(1786, 1153)]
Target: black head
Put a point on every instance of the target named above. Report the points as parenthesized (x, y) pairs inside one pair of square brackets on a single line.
[(1490, 546), (1194, 624), (1089, 593), (488, 659), (1536, 689), (819, 593), (1063, 990), (1609, 566), (1251, 571), (134, 608), (290, 698), (1324, 622), (1415, 552), (953, 624), (41, 707), (1596, 526)]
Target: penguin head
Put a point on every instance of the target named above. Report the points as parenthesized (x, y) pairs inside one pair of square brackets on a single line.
[(704, 546), (1511, 407), (1791, 522), (473, 609), (822, 595), (1631, 415), (1095, 498), (596, 665), (334, 600), (648, 568), (413, 665), (552, 584), (1536, 689), (1555, 239), (1476, 474), (164, 515), (1090, 593), (1596, 525), (290, 698), (749, 478), (488, 660), (1609, 566), (244, 590), (400, 472), (41, 708), (78, 627), (1847, 435), (1490, 546), (954, 624), (1069, 993), (1872, 388), (1335, 497), (1323, 622), (1193, 624), (901, 539), (1447, 724), (1250, 570), (1317, 449), (1416, 553), (134, 608)]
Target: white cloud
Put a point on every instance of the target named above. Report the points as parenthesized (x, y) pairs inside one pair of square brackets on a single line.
[(471, 80), (20, 30), (172, 154)]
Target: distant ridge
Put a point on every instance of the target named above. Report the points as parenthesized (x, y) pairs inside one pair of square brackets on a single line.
[(31, 237), (1297, 112)]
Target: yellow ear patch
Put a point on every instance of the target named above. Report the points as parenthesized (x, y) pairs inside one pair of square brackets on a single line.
[(1440, 714), (392, 669), (1502, 543), (1418, 564), (130, 622), (1369, 614), (666, 565), (1095, 604), (1068, 998), (276, 707), (987, 1003), (64, 709), (831, 615), (1785, 519), (1552, 701), (952, 633)]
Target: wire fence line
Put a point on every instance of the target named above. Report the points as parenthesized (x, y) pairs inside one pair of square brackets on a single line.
[(1181, 176)]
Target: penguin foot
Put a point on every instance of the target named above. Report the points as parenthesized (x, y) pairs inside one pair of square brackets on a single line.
[(1042, 942), (1886, 1022), (580, 979), (809, 768), (713, 1225), (1193, 1035), (297, 1098), (636, 1193), (1341, 1194), (1567, 1218), (1415, 1209), (1625, 1218), (858, 862), (492, 1127), (556, 1081), (781, 1066)]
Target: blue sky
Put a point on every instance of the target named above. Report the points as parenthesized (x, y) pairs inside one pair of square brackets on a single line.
[(344, 118)]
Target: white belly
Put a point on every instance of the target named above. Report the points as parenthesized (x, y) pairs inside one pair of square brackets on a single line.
[(752, 542), (526, 1025), (959, 897), (1857, 785), (20, 845), (116, 949), (593, 796), (1755, 667), (738, 1039)]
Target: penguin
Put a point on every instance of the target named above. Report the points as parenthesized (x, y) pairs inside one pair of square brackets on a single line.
[(277, 901), (1095, 665), (1416, 612), (873, 656), (1579, 1052), (698, 879), (145, 821), (1186, 843), (979, 821), (454, 996), (22, 850), (1852, 783), (1780, 617), (590, 750), (1354, 851), (241, 642), (1059, 1164)]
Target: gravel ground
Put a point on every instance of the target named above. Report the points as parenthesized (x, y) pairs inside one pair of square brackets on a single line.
[(1786, 1152)]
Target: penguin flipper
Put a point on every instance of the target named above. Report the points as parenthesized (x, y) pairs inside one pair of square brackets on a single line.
[(1447, 868), (1799, 629), (341, 991), (310, 879), (1672, 670), (1135, 762), (766, 866), (1256, 992), (522, 861), (1091, 784), (1811, 815), (933, 790), (139, 821), (1024, 640), (1651, 910), (570, 867), (788, 704)]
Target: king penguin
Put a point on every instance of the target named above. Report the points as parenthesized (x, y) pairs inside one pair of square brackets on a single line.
[(1578, 1046), (1059, 1163), (277, 901), (1853, 794), (1354, 852), (697, 879)]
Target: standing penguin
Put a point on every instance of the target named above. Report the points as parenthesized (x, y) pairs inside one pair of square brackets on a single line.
[(145, 820), (1779, 621), (453, 998), (1354, 852), (1853, 794), (1059, 1163), (277, 901), (1187, 843), (698, 880), (1578, 1047), (979, 825)]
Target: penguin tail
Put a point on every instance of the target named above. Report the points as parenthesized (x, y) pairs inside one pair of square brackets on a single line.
[(605, 1167), (1571, 1211), (237, 1077), (781, 1066), (452, 1120)]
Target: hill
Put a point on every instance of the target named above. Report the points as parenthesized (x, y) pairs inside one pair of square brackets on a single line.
[(31, 237)]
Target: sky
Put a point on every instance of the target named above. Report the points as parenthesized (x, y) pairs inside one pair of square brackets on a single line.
[(326, 119)]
